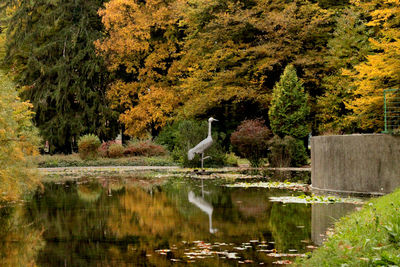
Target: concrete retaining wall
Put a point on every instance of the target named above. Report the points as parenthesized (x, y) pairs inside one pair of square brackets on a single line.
[(367, 163)]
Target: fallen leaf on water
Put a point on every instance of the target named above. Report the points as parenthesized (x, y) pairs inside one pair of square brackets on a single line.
[(279, 255), (282, 262), (266, 250)]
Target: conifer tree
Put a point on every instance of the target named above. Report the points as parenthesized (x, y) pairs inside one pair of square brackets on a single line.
[(289, 109), (51, 51)]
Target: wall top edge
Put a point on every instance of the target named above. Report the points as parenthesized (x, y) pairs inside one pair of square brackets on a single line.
[(351, 135)]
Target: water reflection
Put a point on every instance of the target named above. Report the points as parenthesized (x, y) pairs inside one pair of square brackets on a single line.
[(202, 204), (324, 217), (153, 222), (20, 242)]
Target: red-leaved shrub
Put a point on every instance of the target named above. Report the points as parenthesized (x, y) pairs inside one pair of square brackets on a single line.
[(103, 149), (144, 148), (250, 140)]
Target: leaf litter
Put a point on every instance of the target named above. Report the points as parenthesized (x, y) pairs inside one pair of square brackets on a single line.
[(200, 250)]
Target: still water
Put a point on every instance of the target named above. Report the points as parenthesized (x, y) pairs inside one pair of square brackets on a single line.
[(158, 222)]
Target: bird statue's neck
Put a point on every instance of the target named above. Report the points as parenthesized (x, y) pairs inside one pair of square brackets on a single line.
[(209, 128)]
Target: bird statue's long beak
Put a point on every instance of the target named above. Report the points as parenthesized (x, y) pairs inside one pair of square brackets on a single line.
[(215, 120)]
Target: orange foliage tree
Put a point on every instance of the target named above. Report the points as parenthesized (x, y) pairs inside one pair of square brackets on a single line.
[(141, 42), (184, 58)]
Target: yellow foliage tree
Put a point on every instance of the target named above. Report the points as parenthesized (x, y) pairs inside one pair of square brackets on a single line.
[(151, 111), (141, 42), (18, 138), (382, 68)]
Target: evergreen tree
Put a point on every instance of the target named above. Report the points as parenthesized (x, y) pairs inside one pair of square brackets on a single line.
[(50, 49), (289, 110)]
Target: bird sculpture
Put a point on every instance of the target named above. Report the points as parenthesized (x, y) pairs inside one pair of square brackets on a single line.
[(203, 145)]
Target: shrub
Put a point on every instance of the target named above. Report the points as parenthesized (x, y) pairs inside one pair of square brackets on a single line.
[(167, 137), (88, 146), (116, 151), (287, 152), (144, 148), (103, 149), (250, 140), (231, 159)]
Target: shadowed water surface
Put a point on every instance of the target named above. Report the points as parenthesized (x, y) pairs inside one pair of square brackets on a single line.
[(155, 222)]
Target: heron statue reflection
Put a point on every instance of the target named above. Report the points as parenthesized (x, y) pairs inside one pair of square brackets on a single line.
[(202, 204), (203, 145)]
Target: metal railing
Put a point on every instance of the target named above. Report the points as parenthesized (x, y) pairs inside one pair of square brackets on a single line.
[(392, 109)]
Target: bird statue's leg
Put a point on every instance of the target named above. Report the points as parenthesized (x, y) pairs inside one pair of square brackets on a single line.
[(202, 160)]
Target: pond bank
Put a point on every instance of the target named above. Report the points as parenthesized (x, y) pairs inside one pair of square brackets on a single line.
[(277, 174), (369, 237)]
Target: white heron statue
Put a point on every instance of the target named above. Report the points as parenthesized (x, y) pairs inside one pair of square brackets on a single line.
[(203, 145)]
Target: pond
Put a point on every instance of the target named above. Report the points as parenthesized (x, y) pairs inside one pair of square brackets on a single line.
[(160, 222)]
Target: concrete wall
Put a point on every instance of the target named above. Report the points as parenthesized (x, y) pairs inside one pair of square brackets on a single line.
[(367, 163)]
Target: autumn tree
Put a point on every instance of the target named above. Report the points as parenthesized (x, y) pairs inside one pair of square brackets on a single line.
[(348, 47), (18, 139), (183, 59), (142, 40), (381, 70), (289, 108), (235, 50), (51, 53)]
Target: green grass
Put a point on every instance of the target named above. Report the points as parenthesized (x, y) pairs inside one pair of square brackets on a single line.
[(73, 160), (369, 237)]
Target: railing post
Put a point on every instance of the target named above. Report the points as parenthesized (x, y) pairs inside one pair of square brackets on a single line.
[(385, 114)]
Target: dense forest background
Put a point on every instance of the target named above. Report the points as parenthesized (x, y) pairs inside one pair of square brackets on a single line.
[(94, 66)]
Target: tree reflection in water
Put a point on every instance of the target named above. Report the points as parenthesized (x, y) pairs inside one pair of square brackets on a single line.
[(20, 242), (129, 222)]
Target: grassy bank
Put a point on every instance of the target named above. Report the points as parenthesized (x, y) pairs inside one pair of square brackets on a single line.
[(73, 160), (370, 237)]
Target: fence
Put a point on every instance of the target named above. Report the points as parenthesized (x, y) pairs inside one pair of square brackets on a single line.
[(392, 109)]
